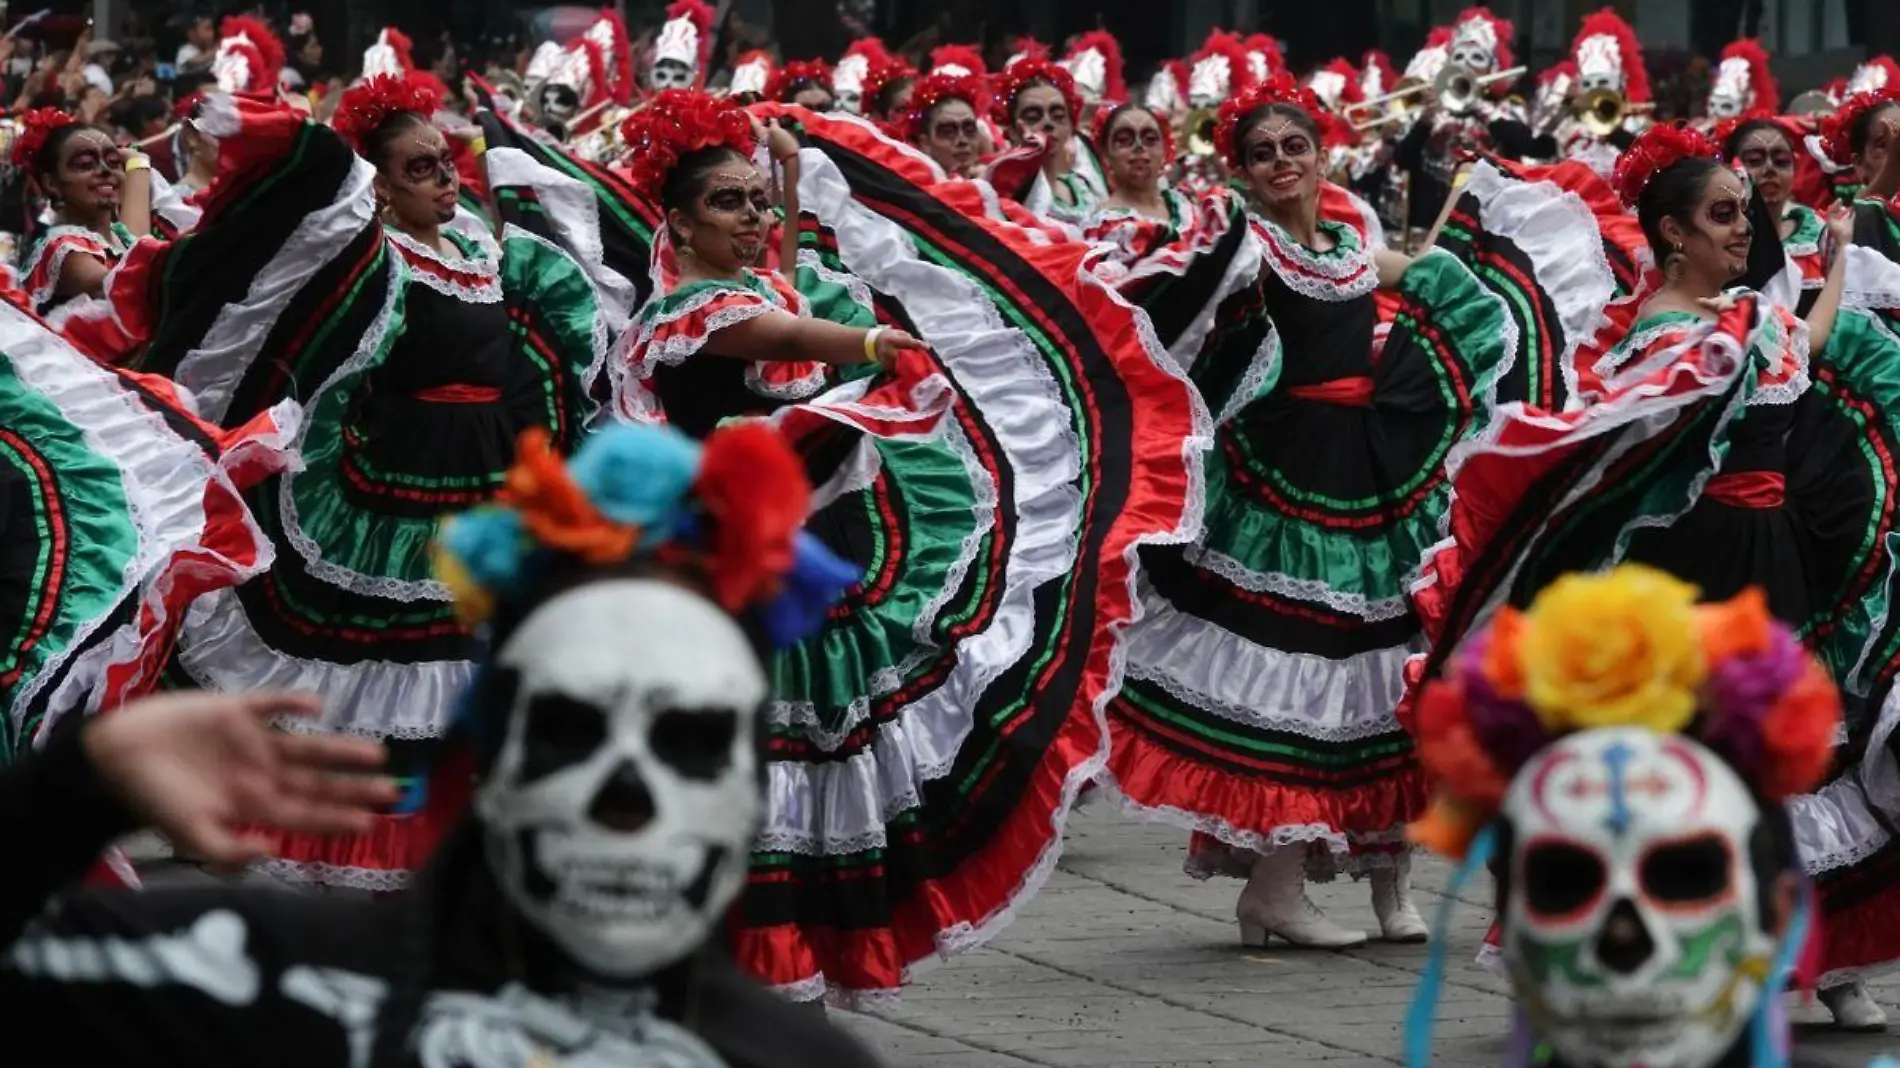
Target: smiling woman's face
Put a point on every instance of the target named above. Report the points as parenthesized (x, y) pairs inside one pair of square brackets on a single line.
[(725, 225), (1715, 237), (89, 173), (417, 178)]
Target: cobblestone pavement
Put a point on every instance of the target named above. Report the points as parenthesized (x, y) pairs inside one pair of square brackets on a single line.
[(1122, 961)]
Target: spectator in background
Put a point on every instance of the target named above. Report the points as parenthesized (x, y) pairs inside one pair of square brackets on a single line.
[(201, 45), (142, 117), (304, 67), (100, 56)]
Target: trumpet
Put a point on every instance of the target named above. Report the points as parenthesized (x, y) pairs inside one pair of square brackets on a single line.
[(1199, 126), (1377, 107), (1459, 90), (1602, 111)]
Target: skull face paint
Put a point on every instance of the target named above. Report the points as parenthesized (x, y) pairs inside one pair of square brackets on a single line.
[(1599, 64), (848, 82), (669, 74), (1729, 96), (1634, 929), (626, 792)]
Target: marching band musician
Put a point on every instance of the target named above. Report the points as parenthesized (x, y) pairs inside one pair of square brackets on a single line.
[(1612, 93), (1744, 86)]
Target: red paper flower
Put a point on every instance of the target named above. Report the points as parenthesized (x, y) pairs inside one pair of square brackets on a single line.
[(678, 123), (755, 495), (35, 127), (937, 88), (1654, 151), (793, 76), (1837, 129)]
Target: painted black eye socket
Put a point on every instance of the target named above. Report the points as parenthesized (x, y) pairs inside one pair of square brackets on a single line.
[(560, 733), (1561, 878), (1686, 872), (697, 743)]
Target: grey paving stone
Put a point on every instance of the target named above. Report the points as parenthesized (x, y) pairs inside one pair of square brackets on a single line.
[(1124, 962)]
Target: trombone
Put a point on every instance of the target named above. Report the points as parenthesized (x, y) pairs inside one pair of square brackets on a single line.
[(1377, 107), (1459, 90), (1814, 103), (1603, 111)]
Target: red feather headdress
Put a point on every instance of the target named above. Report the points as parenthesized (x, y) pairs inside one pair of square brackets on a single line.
[(1607, 23), (367, 105), (1761, 80), (262, 51), (886, 70), (1264, 46), (701, 15), (1350, 91), (1502, 31), (677, 123), (1229, 46), (1836, 134), (1114, 81), (1376, 64), (1026, 47), (959, 55), (1655, 150)]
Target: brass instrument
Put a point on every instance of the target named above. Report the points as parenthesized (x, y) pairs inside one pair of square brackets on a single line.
[(1199, 127), (1813, 102), (1459, 90), (1603, 111), (1380, 114)]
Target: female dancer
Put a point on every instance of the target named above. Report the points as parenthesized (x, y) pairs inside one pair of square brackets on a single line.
[(330, 268), (1263, 678), (101, 200), (944, 119), (928, 744), (1767, 149), (1035, 97), (1138, 147)]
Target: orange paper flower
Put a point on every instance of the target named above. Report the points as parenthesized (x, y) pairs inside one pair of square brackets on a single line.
[(556, 511), (1501, 667), (1738, 626), (1799, 733)]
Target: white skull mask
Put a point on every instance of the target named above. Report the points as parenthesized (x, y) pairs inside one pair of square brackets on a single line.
[(1474, 47), (626, 792), (1599, 64), (1729, 96), (1090, 69), (1634, 924), (669, 74), (559, 102)]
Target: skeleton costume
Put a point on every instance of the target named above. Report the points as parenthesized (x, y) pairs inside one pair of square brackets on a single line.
[(565, 921), (1623, 753), (249, 57), (847, 78), (574, 87), (750, 76), (1608, 57)]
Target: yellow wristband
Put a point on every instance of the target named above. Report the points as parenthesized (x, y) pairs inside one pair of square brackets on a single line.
[(134, 163), (870, 343), (479, 145)]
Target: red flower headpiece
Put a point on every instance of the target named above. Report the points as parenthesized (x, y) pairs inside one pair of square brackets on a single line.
[(35, 127), (1280, 89), (1654, 150), (1114, 81), (886, 71), (1726, 129), (1607, 23), (1761, 80), (366, 106), (957, 55), (400, 43), (794, 76), (676, 123), (1837, 129), (1027, 72), (871, 48), (1105, 117), (934, 90), (186, 107)]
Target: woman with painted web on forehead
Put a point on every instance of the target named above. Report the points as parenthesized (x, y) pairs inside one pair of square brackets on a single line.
[(333, 266), (101, 199)]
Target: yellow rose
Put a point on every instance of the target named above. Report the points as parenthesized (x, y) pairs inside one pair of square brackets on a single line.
[(1620, 649)]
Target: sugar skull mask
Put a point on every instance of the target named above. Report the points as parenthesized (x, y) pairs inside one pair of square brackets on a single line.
[(623, 800), (1634, 926)]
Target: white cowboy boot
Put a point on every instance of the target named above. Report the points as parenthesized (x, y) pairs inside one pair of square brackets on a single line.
[(1274, 902), (1853, 1008), (1399, 920)]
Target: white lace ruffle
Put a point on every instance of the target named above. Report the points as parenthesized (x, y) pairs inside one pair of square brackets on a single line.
[(1344, 273), (60, 241), (573, 214), (1555, 229), (487, 290), (1312, 591)]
